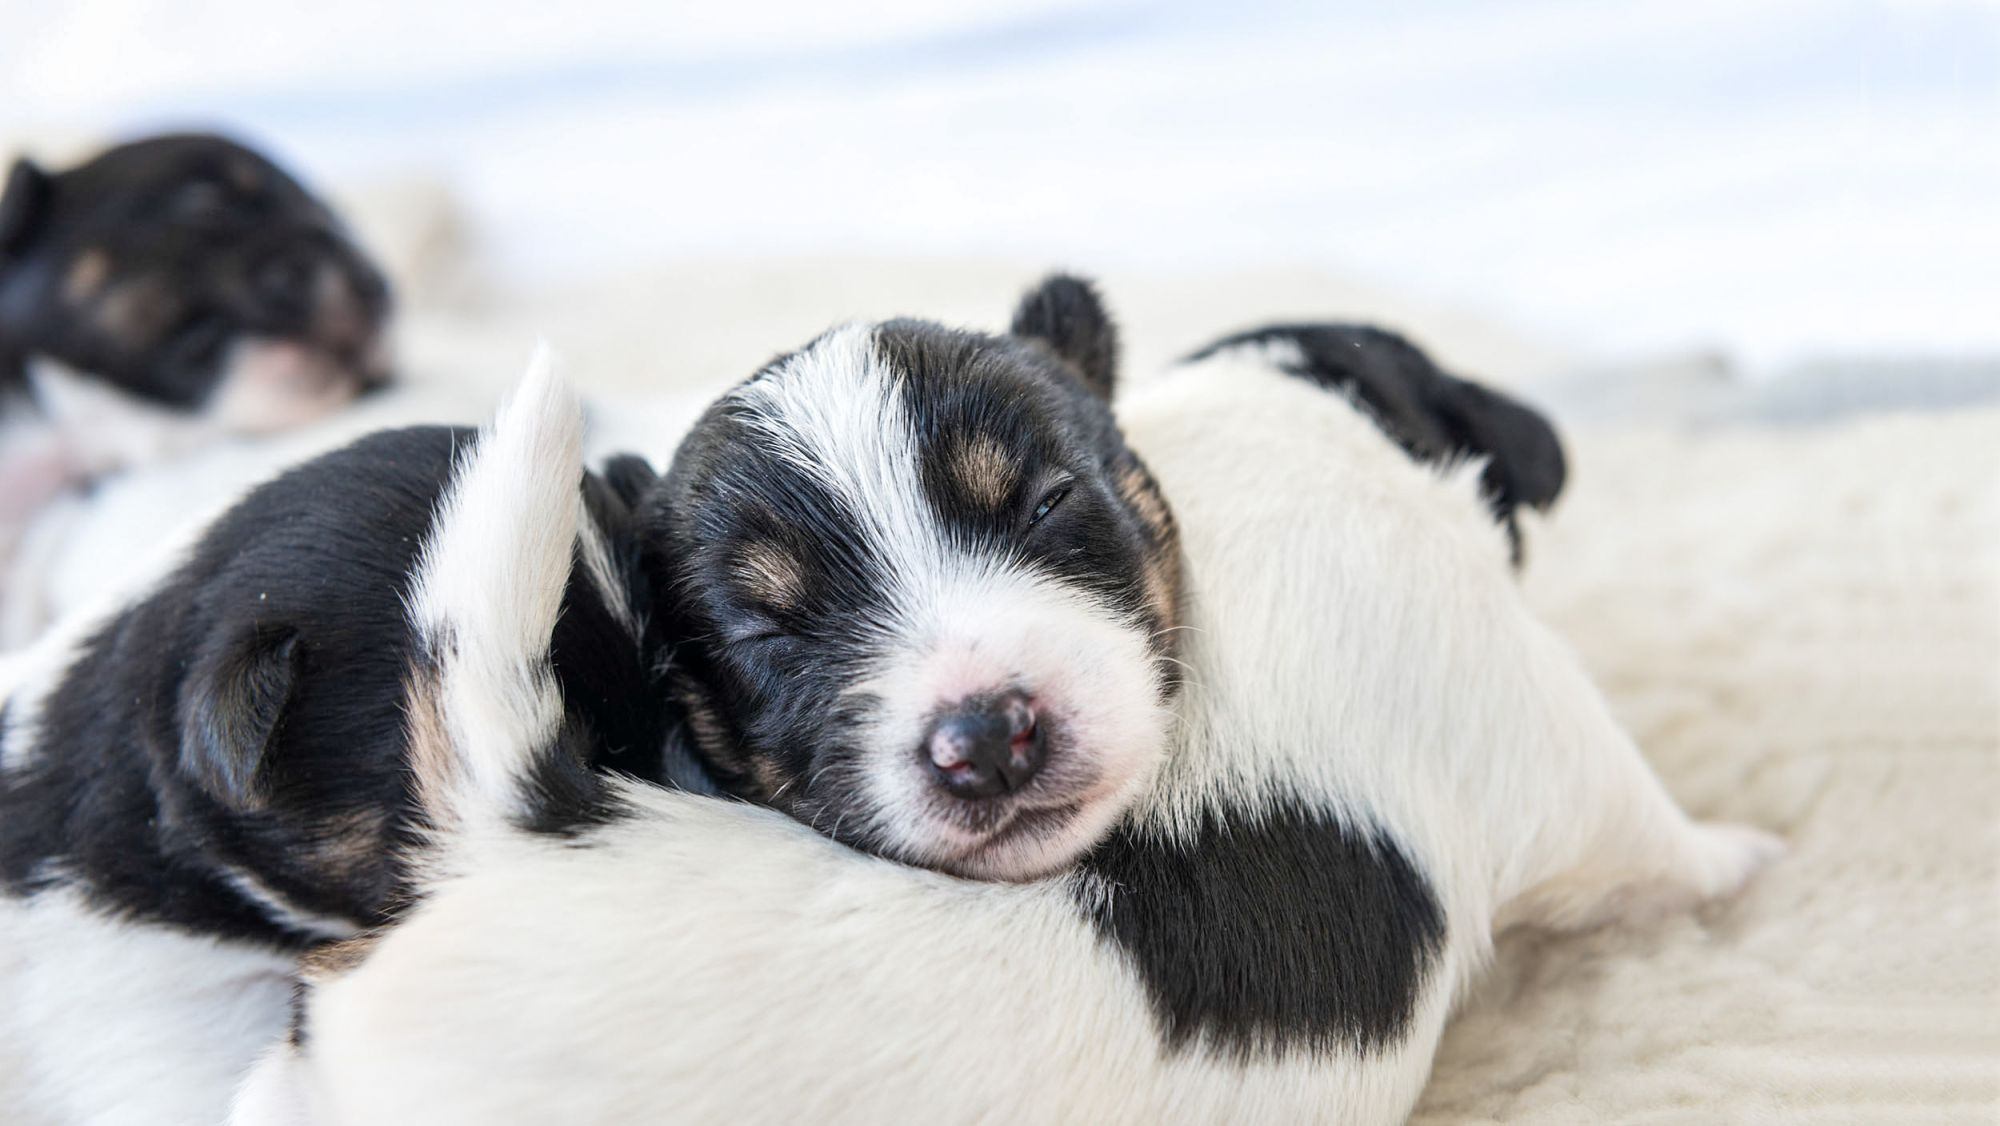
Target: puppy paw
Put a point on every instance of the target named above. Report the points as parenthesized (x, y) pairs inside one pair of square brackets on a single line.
[(1727, 856)]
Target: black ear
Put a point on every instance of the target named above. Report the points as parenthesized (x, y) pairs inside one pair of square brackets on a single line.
[(21, 203), (230, 709), (1525, 464), (1065, 315)]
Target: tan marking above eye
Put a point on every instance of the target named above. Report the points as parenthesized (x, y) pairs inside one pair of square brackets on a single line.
[(771, 574), (135, 311), (86, 276), (984, 470)]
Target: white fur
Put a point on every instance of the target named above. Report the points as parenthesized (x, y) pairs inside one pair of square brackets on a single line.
[(513, 510), (108, 1023), (1358, 644), (963, 623)]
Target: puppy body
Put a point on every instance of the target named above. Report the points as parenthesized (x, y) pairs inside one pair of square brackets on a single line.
[(1383, 754), (212, 776)]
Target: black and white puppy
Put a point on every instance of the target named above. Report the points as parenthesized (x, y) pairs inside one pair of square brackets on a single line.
[(929, 594), (165, 292), (214, 776), (1382, 756)]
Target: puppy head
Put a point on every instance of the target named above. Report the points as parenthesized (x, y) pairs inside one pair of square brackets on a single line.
[(190, 272), (929, 592)]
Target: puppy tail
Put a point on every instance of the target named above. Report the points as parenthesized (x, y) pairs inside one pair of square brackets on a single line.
[(485, 710)]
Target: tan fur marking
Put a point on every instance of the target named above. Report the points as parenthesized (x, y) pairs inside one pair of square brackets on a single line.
[(86, 276), (351, 841), (771, 574), (1138, 490), (322, 964), (135, 311), (433, 761), (984, 469)]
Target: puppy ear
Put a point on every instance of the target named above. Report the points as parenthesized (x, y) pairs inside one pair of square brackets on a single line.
[(231, 708), (21, 202), (1065, 315), (1525, 464)]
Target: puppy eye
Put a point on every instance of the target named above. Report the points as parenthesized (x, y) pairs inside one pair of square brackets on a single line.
[(1048, 503)]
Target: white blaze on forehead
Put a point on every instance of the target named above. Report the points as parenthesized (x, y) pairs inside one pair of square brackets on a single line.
[(835, 412), (960, 620)]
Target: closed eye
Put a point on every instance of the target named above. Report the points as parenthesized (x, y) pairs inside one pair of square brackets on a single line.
[(1049, 502)]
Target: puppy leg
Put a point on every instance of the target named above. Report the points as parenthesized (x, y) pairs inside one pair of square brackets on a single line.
[(1637, 855)]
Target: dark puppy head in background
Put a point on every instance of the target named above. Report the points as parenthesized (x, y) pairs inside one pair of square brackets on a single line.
[(190, 274), (928, 594)]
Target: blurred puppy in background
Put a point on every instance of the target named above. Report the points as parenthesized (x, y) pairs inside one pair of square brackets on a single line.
[(167, 292)]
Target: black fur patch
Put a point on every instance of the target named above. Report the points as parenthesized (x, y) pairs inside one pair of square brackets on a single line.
[(165, 756), (1269, 933), (1435, 417), (565, 797)]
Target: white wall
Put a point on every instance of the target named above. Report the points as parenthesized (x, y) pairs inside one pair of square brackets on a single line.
[(1782, 179)]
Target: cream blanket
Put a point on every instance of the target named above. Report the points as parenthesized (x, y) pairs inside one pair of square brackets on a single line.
[(1802, 628)]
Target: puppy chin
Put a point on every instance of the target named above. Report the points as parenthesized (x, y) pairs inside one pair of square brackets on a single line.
[(1034, 843), (274, 383)]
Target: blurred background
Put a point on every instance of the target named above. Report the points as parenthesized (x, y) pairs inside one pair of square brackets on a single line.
[(1677, 190)]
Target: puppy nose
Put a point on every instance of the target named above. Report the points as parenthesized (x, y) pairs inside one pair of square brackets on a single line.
[(986, 746)]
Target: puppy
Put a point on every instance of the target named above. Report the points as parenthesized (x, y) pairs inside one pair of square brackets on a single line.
[(214, 777), (933, 592), (1381, 756), (165, 292)]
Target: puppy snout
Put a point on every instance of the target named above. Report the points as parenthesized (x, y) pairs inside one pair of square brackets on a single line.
[(986, 746)]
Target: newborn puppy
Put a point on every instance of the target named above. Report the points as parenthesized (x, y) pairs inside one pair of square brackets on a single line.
[(1382, 756), (216, 776), (929, 593), (168, 291)]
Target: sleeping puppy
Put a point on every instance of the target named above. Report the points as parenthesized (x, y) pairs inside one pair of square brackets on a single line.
[(934, 596), (1381, 756), (166, 292), (215, 776)]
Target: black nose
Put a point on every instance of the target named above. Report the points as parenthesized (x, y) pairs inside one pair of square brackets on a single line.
[(986, 746)]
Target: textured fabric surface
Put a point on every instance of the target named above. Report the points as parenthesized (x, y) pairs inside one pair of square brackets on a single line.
[(1802, 628)]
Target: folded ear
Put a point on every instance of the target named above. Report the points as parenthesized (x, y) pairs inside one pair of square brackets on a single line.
[(1065, 315), (1525, 464), (230, 709), (21, 203)]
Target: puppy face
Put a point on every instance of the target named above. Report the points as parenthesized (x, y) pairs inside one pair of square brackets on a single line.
[(190, 273), (929, 590)]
